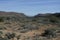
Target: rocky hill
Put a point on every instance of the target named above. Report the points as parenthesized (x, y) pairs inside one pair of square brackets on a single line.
[(17, 26)]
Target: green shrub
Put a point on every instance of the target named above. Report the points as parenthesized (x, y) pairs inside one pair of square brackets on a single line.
[(53, 19), (1, 19), (49, 33)]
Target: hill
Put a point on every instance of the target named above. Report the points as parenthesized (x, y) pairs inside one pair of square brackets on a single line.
[(18, 26)]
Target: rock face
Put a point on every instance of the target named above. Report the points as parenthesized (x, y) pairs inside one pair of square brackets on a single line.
[(17, 26)]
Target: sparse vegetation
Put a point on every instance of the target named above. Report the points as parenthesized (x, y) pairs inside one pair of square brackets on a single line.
[(16, 26)]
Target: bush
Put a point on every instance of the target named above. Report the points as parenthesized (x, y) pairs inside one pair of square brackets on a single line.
[(49, 33), (9, 36), (1, 19), (1, 32), (1, 27), (7, 18), (3, 38), (28, 27), (53, 19)]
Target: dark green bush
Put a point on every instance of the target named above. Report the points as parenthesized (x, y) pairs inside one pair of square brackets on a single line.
[(49, 33), (1, 19), (53, 19), (7, 18)]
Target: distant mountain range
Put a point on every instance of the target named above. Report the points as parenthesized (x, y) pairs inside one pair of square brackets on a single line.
[(22, 14)]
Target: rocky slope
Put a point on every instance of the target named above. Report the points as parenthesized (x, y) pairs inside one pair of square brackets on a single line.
[(17, 26)]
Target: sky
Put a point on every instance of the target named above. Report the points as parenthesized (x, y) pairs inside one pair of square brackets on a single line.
[(30, 7)]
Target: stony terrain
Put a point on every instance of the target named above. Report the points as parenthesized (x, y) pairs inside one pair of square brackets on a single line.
[(17, 26)]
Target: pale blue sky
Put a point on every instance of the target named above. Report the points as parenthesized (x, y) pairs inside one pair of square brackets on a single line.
[(30, 7)]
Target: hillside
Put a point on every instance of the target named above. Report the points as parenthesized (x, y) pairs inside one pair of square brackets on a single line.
[(18, 26)]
